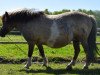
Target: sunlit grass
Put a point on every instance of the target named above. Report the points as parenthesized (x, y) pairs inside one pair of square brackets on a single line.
[(13, 38), (11, 51), (53, 69)]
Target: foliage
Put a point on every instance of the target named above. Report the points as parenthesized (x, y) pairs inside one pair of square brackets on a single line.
[(96, 13), (0, 21), (47, 12), (59, 12)]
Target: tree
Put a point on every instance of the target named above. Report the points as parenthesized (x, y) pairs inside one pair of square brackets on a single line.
[(62, 11), (65, 10), (0, 21), (89, 12), (47, 12), (97, 16)]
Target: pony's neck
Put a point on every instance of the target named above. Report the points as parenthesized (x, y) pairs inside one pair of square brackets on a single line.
[(19, 27)]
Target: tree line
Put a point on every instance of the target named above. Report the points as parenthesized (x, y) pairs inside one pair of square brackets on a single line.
[(96, 13), (0, 21)]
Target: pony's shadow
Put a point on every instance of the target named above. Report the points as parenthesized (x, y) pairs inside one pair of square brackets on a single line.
[(49, 70)]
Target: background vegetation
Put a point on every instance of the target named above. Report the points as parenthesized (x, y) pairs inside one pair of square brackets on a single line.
[(0, 21), (96, 13)]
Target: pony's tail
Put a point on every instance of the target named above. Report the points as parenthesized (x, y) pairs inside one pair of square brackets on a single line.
[(92, 38)]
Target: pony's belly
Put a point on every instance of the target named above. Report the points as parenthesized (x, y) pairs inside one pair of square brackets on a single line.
[(57, 43)]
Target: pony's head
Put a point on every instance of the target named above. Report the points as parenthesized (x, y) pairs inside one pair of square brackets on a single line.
[(13, 19), (7, 26)]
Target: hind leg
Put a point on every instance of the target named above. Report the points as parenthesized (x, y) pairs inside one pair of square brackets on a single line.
[(41, 50), (88, 55), (76, 53)]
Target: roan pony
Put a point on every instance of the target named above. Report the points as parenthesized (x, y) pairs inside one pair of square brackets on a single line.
[(55, 31)]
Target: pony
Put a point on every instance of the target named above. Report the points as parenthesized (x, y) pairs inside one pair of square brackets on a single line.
[(55, 31)]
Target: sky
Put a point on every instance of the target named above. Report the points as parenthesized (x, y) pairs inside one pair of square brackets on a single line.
[(51, 5)]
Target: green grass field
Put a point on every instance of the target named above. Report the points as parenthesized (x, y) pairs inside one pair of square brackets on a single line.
[(10, 52), (53, 69)]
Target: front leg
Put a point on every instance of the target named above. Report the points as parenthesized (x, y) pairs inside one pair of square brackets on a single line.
[(30, 52), (41, 50), (28, 64)]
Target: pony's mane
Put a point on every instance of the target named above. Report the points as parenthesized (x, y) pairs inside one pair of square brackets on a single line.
[(24, 15), (75, 13)]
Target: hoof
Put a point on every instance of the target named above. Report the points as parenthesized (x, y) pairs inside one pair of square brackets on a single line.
[(27, 67), (45, 65), (48, 68), (69, 68), (85, 68)]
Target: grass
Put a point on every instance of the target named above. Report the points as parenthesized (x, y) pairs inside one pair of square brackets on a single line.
[(21, 38), (11, 51), (98, 38), (14, 38), (53, 69)]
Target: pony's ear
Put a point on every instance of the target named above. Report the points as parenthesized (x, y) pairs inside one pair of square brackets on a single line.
[(6, 14)]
